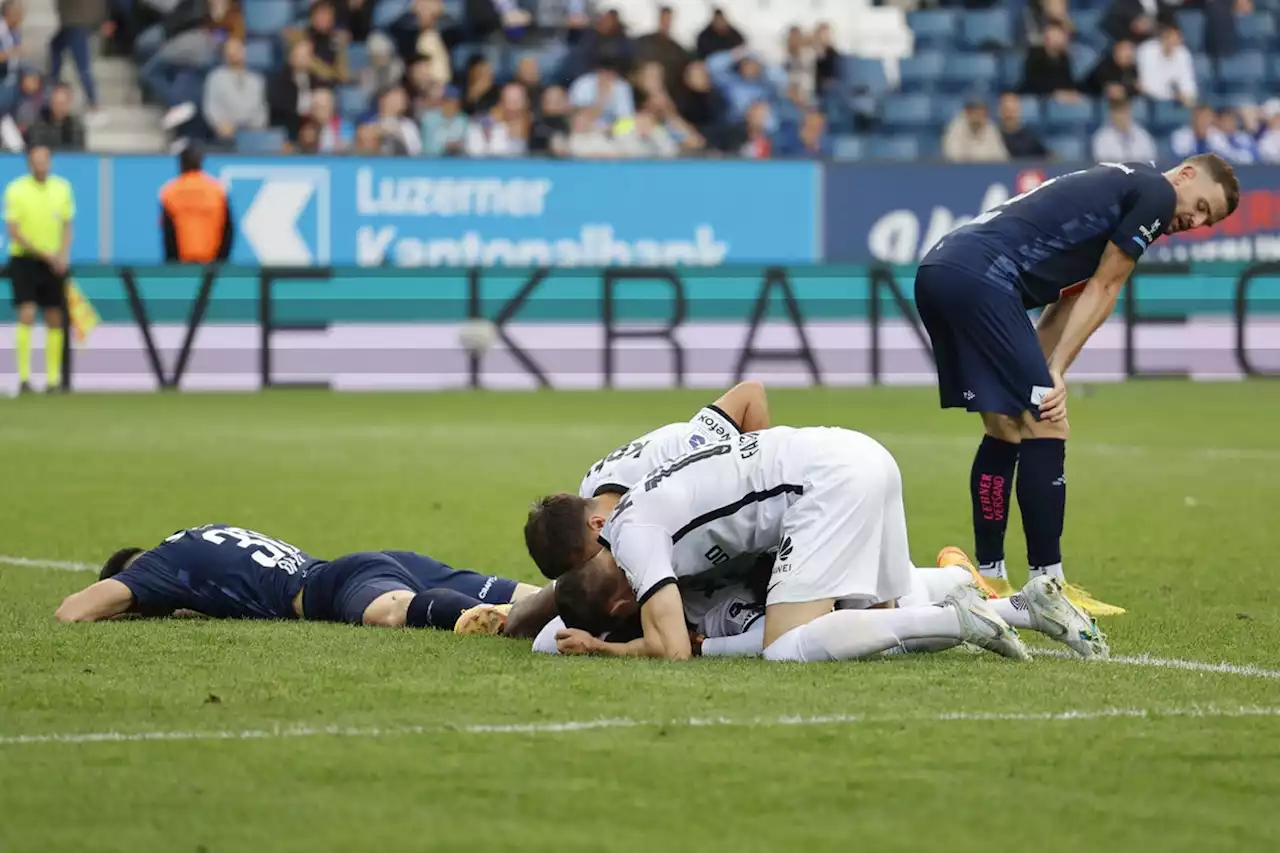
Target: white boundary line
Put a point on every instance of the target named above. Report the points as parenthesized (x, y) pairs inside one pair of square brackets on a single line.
[(290, 732), (60, 565)]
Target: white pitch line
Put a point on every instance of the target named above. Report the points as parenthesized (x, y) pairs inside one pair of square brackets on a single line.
[(60, 565), (1245, 670), (626, 723)]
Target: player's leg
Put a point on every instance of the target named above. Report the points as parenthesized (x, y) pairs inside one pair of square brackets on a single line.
[(24, 301), (1042, 606), (54, 339), (1042, 492), (991, 479), (489, 589), (373, 589)]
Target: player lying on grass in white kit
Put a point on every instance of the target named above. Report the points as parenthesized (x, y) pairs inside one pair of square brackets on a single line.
[(830, 502)]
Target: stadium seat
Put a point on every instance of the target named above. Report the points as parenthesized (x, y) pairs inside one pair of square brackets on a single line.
[(1141, 108), (928, 146), (1011, 70), (1032, 111), (357, 56), (1241, 73), (968, 72), (260, 55), (894, 148), (848, 148), (269, 141), (1205, 78), (1089, 27), (922, 72), (1167, 116), (864, 75), (947, 107), (352, 101), (907, 114), (1258, 31), (1191, 21), (387, 13), (1275, 69), (1064, 117), (934, 29), (1069, 148), (1083, 58), (268, 17), (987, 29)]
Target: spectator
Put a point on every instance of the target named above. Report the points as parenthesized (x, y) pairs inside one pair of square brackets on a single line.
[(308, 139), (589, 141), (1116, 69), (513, 19), (11, 14), (481, 92), (1199, 137), (608, 41), (811, 140), (664, 111), (1121, 139), (385, 68), (605, 92), (1018, 139), (650, 81), (58, 129), (421, 86), (1269, 142), (1241, 146), (334, 134), (1048, 68), (77, 20), (550, 133), (195, 214), (759, 120), (188, 44), (30, 103), (744, 81), (289, 90), (355, 17), (399, 134), (827, 58), (329, 65), (661, 48), (646, 137), (504, 132), (368, 140), (529, 75), (235, 98), (1220, 36), (444, 127), (429, 44), (971, 137), (700, 104), (1039, 14), (718, 37), (1131, 20), (1166, 71), (799, 64)]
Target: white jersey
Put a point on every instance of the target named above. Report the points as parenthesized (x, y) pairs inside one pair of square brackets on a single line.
[(624, 467)]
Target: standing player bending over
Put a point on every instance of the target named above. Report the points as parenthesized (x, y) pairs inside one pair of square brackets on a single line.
[(1068, 246), (228, 572)]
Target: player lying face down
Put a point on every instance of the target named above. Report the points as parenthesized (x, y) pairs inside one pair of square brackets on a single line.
[(226, 572)]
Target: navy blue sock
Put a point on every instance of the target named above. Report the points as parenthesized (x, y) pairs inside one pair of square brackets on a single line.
[(1042, 500), (991, 487), (438, 608)]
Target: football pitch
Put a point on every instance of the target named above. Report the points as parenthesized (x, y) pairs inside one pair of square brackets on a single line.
[(192, 735)]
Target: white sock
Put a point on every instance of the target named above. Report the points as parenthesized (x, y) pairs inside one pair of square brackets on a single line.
[(853, 634), (1054, 571), (748, 644), (1013, 610), (994, 570), (920, 647), (930, 585)]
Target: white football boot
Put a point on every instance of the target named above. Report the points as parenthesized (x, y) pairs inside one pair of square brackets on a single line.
[(1055, 616), (982, 626)]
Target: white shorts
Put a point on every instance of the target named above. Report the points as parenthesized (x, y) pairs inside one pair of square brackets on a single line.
[(846, 536)]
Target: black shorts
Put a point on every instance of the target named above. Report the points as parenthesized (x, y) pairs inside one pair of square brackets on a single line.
[(35, 281), (988, 356)]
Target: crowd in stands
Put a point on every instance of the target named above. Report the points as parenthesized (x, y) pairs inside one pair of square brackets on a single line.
[(38, 108)]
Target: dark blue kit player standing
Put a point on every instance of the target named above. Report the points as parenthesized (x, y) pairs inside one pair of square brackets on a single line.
[(1066, 246), (226, 572)]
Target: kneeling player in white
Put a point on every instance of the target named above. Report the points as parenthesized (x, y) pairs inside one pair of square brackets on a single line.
[(829, 501)]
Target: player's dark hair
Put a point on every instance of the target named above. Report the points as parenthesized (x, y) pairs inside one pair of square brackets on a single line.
[(555, 533), (116, 563), (582, 598), (1222, 173), (191, 158)]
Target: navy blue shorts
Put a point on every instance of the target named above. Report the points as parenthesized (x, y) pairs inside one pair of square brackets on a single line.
[(342, 589), (987, 353)]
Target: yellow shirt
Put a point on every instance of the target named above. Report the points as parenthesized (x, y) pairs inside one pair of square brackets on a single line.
[(40, 210)]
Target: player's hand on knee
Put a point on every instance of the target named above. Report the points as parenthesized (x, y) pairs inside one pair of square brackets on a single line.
[(574, 641), (1054, 405)]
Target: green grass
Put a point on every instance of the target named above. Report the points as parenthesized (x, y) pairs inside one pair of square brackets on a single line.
[(1175, 490)]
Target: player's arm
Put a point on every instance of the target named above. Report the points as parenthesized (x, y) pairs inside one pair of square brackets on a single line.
[(644, 554), (666, 635), (1053, 319), (530, 615), (574, 641), (1092, 307), (747, 405), (103, 600)]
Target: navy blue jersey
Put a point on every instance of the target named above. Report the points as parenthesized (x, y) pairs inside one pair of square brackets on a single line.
[(1050, 239), (221, 571)]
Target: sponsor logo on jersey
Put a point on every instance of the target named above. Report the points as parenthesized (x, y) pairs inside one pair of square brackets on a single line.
[(696, 440), (1150, 232), (781, 566), (714, 425)]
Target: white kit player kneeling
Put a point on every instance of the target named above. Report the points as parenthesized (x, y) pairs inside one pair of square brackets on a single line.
[(829, 501)]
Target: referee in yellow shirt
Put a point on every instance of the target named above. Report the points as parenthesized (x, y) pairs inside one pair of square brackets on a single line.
[(38, 209)]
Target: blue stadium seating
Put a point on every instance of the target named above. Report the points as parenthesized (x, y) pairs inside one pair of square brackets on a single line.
[(1141, 108), (1191, 21), (1241, 73), (1083, 58), (1011, 68), (1275, 69), (968, 72), (1205, 78), (357, 57), (387, 13), (352, 101), (1032, 111), (908, 113), (270, 141), (260, 55), (1167, 116), (267, 17), (894, 148), (864, 75), (1071, 148), (1064, 117), (929, 147), (921, 72), (935, 28), (848, 148), (988, 29), (1257, 31), (1088, 27)]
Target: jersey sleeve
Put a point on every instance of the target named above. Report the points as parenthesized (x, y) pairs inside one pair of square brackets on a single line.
[(717, 426), (155, 587), (12, 203), (545, 642), (643, 552), (1148, 209)]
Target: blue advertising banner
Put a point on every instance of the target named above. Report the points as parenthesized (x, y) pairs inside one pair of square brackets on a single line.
[(897, 212), (84, 174), (404, 212)]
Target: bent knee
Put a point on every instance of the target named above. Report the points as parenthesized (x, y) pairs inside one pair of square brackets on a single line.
[(388, 610)]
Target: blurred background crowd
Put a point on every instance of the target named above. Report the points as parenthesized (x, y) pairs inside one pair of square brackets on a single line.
[(973, 80)]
